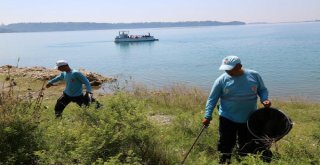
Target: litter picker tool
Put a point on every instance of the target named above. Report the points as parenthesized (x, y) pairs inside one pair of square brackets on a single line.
[(185, 157)]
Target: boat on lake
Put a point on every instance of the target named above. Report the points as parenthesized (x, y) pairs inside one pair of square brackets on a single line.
[(125, 37)]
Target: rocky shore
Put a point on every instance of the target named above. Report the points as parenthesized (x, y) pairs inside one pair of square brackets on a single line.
[(42, 73)]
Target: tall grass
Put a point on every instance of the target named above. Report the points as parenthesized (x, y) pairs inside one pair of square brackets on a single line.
[(300, 146), (140, 126), (18, 128)]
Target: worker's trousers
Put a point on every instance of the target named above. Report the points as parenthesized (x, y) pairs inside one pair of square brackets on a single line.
[(64, 100)]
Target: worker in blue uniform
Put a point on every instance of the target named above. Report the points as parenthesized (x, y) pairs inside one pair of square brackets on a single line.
[(238, 90), (73, 91)]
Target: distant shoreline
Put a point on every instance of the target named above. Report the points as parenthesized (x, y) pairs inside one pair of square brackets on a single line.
[(80, 26), (86, 26)]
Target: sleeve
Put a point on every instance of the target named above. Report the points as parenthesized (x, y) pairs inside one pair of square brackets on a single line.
[(262, 90), (213, 99), (84, 81), (57, 78)]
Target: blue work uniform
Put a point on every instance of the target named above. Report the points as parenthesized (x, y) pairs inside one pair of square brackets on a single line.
[(238, 95), (74, 81)]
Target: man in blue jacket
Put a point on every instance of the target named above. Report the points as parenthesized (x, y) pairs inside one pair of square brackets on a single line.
[(73, 91), (238, 90)]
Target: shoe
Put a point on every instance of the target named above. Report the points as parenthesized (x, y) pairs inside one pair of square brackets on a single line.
[(58, 115), (98, 105)]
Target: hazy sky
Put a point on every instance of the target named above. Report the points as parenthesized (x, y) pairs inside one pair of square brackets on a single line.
[(114, 11)]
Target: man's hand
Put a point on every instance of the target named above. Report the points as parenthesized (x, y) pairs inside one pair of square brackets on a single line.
[(88, 94), (49, 85), (87, 98), (266, 103), (206, 122)]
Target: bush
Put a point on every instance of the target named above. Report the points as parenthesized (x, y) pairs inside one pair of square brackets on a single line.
[(18, 133), (126, 131), (117, 131)]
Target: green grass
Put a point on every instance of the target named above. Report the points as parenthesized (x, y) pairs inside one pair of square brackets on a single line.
[(140, 126)]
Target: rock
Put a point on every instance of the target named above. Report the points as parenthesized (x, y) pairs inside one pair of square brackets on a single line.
[(42, 73), (161, 119), (95, 83)]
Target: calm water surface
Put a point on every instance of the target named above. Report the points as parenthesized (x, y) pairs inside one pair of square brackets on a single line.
[(286, 55)]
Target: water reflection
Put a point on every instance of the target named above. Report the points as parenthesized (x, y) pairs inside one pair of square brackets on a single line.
[(76, 44), (130, 44)]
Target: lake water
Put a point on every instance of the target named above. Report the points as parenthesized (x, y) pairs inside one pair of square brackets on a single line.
[(286, 55)]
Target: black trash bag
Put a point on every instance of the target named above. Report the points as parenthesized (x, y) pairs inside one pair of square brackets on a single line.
[(88, 99), (269, 124)]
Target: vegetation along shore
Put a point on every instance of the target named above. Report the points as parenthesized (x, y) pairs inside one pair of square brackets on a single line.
[(73, 26), (136, 126)]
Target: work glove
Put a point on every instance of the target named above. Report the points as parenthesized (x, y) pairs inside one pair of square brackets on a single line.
[(206, 122)]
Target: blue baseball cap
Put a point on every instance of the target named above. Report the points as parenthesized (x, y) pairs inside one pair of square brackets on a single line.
[(229, 62)]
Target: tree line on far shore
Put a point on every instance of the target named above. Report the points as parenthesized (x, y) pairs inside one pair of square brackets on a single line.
[(74, 26)]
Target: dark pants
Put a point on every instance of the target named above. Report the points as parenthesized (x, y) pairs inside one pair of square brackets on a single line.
[(64, 100), (232, 133)]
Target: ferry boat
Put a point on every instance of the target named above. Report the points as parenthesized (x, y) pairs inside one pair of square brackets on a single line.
[(125, 37)]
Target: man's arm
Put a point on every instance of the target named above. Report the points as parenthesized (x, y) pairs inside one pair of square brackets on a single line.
[(54, 80), (211, 102), (85, 81), (263, 93)]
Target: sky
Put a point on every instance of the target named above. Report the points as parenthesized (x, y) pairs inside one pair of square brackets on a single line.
[(128, 11)]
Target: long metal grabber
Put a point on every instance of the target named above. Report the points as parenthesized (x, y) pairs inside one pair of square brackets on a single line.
[(185, 157)]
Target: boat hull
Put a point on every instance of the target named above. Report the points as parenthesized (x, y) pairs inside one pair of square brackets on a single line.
[(135, 40)]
